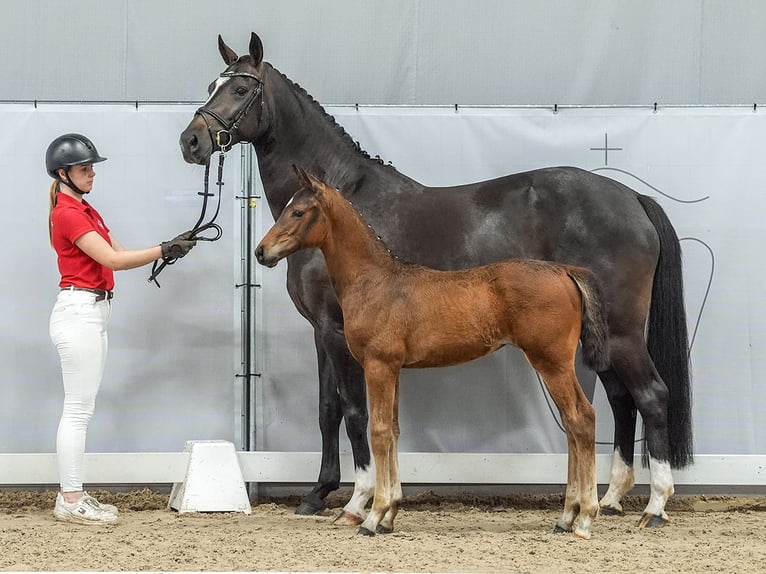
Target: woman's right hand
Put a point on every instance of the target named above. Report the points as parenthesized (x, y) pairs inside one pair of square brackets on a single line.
[(178, 246)]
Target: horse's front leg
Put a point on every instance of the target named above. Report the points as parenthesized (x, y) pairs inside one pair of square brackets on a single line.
[(341, 396), (381, 388), (353, 398), (330, 415), (386, 525)]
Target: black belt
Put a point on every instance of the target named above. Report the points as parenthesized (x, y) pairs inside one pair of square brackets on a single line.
[(100, 294)]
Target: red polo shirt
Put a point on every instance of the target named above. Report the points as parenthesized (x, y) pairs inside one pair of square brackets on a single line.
[(71, 220)]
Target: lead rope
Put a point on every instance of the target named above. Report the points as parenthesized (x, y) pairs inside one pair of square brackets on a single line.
[(199, 228)]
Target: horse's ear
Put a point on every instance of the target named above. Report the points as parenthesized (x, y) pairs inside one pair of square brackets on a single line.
[(256, 49), (303, 177), (229, 56)]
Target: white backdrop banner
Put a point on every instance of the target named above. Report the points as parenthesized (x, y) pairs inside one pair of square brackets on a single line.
[(703, 165), (174, 351)]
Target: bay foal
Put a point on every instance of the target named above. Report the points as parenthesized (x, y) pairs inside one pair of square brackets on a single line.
[(398, 315)]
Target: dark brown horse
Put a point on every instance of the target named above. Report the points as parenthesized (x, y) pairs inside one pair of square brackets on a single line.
[(398, 315), (561, 214)]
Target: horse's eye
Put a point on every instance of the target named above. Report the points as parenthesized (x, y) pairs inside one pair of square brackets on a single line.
[(297, 213), (241, 90)]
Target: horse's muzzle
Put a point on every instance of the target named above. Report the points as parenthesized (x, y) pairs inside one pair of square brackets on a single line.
[(264, 259), (196, 147)]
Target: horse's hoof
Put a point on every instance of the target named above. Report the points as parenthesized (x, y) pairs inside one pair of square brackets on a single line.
[(611, 511), (652, 521), (364, 532), (581, 534), (383, 529), (310, 505), (559, 530), (347, 519)]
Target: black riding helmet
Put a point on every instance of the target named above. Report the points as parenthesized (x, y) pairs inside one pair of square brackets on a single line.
[(70, 150)]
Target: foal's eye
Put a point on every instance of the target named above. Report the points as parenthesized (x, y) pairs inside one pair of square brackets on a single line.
[(297, 213), (241, 90)]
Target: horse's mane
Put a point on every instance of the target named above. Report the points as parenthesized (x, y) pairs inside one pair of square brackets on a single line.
[(339, 129), (370, 231)]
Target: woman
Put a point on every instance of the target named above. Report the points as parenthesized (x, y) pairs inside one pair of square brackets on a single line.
[(87, 257)]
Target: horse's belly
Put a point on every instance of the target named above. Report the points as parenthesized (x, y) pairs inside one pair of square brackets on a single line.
[(447, 354)]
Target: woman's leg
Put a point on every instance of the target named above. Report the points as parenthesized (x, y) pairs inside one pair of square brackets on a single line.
[(78, 329)]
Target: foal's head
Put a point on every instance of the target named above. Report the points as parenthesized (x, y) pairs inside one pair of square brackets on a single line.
[(301, 224)]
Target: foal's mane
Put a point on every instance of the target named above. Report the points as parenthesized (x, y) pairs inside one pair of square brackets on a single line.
[(338, 198)]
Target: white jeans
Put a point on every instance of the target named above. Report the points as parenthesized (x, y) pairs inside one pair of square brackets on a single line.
[(78, 329)]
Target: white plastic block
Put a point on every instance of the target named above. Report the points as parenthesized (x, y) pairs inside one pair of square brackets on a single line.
[(213, 481)]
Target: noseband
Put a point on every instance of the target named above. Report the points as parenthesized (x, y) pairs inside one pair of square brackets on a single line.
[(223, 138)]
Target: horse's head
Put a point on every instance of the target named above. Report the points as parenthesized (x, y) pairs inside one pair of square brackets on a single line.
[(300, 225), (232, 111)]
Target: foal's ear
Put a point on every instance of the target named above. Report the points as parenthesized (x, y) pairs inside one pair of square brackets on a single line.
[(308, 181), (256, 49), (229, 56), (303, 177)]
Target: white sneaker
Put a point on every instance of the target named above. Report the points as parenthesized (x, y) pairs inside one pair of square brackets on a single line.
[(82, 512), (106, 507)]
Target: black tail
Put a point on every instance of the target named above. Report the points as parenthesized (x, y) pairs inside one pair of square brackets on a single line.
[(594, 335), (667, 336)]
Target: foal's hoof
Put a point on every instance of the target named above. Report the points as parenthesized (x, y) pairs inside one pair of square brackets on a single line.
[(347, 519), (611, 511), (311, 504), (383, 529), (364, 532), (581, 534), (558, 530), (652, 521)]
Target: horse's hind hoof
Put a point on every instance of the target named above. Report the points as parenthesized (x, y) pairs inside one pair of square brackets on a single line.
[(383, 530), (652, 521), (364, 532), (611, 511), (310, 505), (558, 530), (347, 519)]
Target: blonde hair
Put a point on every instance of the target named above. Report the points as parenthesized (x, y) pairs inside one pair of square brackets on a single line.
[(52, 198)]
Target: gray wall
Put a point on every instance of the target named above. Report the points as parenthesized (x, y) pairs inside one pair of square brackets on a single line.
[(486, 52)]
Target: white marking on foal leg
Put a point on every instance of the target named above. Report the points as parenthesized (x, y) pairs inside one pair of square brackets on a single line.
[(571, 508), (621, 480), (364, 488), (661, 489)]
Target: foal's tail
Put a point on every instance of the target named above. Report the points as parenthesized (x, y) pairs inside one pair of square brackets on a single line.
[(594, 334), (667, 335)]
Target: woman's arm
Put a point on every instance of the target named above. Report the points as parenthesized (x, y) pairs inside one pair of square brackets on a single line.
[(116, 245), (116, 258)]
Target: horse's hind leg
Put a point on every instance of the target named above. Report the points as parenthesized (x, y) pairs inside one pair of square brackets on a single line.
[(579, 420), (632, 364), (621, 476)]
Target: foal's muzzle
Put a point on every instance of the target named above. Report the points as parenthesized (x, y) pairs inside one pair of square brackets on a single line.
[(264, 259)]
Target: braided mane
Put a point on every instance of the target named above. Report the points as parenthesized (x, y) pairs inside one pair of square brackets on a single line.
[(339, 129)]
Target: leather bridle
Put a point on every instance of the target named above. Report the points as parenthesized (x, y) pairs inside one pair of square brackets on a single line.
[(231, 126), (222, 139)]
